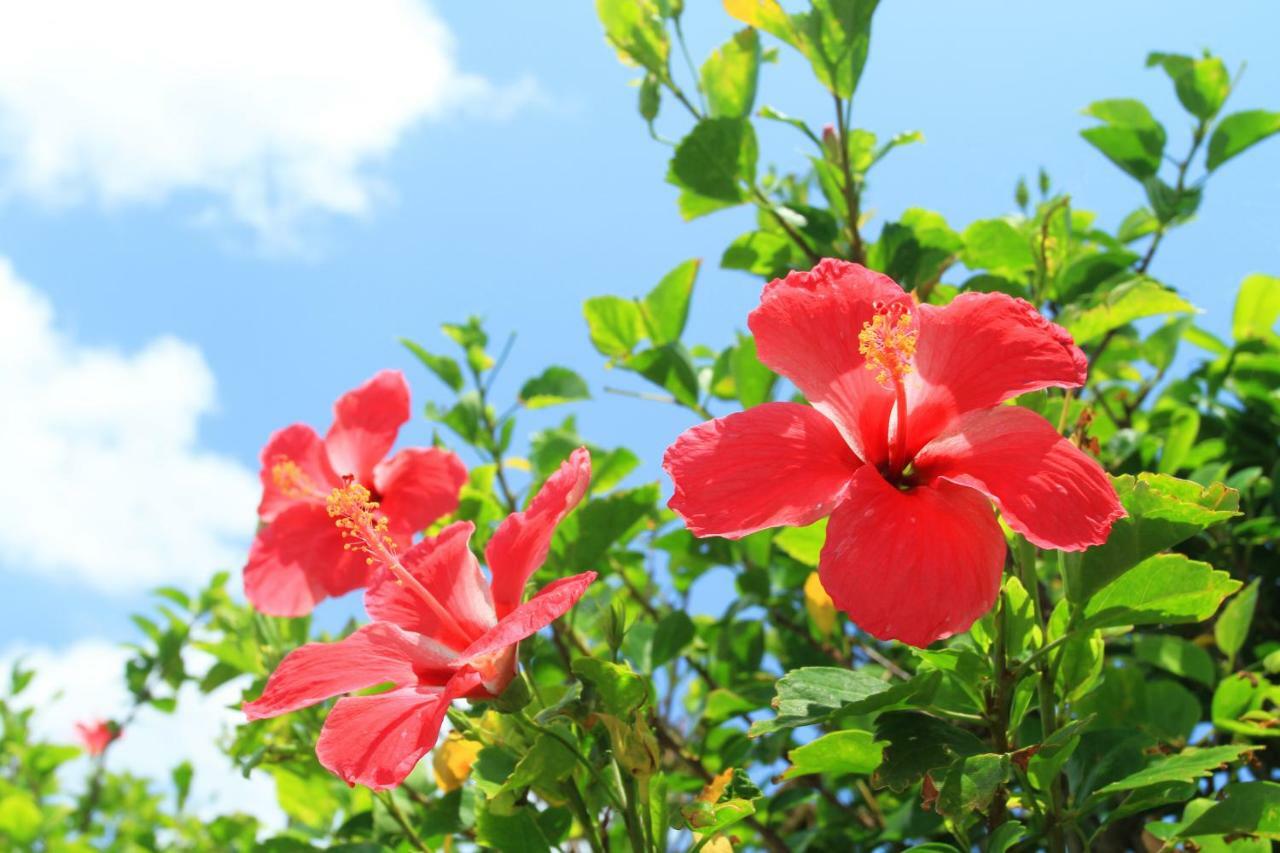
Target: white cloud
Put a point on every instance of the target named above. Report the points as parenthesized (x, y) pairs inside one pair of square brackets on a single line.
[(274, 108), (108, 484), (86, 681)]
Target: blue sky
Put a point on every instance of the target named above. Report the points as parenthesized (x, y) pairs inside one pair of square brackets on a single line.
[(547, 193)]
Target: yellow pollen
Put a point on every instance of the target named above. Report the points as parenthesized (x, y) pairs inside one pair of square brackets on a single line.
[(888, 342), (356, 514), (290, 479)]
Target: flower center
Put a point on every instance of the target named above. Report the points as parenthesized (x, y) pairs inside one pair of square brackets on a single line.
[(292, 481), (355, 512), (888, 343)]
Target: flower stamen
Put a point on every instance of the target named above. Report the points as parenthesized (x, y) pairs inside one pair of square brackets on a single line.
[(888, 343), (356, 514), (292, 481)]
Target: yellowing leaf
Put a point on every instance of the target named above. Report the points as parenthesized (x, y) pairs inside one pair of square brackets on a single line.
[(822, 610), (714, 789), (452, 761)]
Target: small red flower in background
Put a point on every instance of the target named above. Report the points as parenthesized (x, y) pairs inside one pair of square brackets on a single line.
[(297, 559), (442, 632), (97, 735), (904, 447)]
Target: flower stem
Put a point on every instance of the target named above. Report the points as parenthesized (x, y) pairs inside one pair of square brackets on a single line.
[(388, 799)]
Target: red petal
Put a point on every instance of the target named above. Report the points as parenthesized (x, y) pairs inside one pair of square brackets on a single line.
[(300, 445), (297, 560), (807, 327), (1046, 488), (983, 349), (375, 654), (444, 565), (520, 544), (419, 485), (551, 602), (777, 463), (376, 741), (365, 424), (915, 566)]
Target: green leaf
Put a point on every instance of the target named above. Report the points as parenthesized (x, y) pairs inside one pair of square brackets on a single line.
[(815, 693), (993, 244), (1005, 837), (669, 367), (1186, 766), (1202, 84), (616, 325), (650, 99), (553, 386), (753, 382), (1246, 808), (636, 30), (1131, 137), (919, 744), (666, 307), (1176, 655), (20, 817), (729, 75), (851, 751), (1161, 511), (970, 783), (591, 531), (621, 690), (803, 544), (1257, 308), (763, 253), (1164, 589), (1120, 306), (674, 632), (713, 161), (182, 782), (546, 762), (1232, 627), (309, 799), (1239, 131), (445, 368), (1179, 439), (1171, 204), (517, 832)]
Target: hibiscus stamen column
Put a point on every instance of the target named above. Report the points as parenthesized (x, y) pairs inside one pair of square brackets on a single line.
[(888, 342), (356, 514)]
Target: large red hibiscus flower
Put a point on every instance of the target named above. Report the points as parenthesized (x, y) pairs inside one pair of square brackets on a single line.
[(297, 559), (905, 447), (442, 631)]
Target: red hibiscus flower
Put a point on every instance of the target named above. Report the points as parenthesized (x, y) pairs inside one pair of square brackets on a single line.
[(297, 559), (97, 735), (904, 447), (442, 632)]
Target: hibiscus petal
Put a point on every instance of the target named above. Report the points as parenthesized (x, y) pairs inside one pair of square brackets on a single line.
[(444, 565), (376, 741), (290, 559), (551, 602), (1046, 487), (419, 485), (807, 328), (916, 565), (299, 445), (520, 544), (980, 350), (365, 424), (777, 463), (377, 653)]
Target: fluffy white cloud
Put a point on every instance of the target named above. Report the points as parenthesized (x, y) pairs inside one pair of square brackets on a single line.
[(108, 483), (275, 108), (86, 681)]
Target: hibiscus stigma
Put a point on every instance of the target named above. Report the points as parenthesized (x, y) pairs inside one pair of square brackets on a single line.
[(888, 342)]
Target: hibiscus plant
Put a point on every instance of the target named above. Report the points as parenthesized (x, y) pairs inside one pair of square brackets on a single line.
[(968, 539)]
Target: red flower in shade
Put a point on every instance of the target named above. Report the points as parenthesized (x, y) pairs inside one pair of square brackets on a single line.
[(97, 735), (904, 447), (442, 631), (297, 559)]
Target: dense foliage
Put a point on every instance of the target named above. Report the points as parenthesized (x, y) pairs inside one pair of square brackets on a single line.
[(1121, 697)]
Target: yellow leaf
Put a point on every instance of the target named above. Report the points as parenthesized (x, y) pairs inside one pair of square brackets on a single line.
[(822, 610), (767, 15), (452, 761), (715, 788)]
